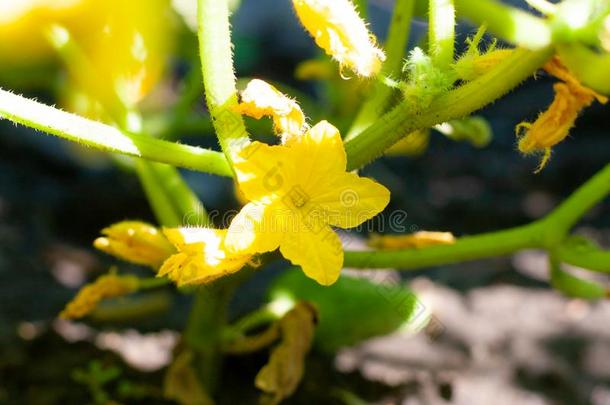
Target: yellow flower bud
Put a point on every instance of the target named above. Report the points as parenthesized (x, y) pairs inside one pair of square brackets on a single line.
[(135, 242), (261, 99), (338, 29), (107, 286), (416, 240)]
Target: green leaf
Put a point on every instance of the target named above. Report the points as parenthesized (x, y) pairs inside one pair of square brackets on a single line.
[(352, 309)]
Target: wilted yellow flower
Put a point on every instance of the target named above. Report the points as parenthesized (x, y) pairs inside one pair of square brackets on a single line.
[(106, 286), (136, 242), (262, 99), (202, 256), (416, 240), (281, 376), (338, 29), (553, 125), (296, 192)]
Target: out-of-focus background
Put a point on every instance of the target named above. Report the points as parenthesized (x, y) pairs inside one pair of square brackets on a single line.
[(505, 336)]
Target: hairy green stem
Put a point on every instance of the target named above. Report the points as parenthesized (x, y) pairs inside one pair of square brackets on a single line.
[(209, 315), (464, 249), (215, 50), (395, 47), (509, 23), (441, 32), (104, 137), (457, 103), (562, 219), (362, 149), (547, 233)]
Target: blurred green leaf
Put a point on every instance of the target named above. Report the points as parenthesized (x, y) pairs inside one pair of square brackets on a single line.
[(352, 309)]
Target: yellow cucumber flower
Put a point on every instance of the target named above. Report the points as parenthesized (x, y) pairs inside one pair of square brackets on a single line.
[(416, 240), (106, 286), (136, 242), (22, 24), (131, 50), (297, 191), (261, 99), (553, 125), (338, 29), (202, 256), (126, 43)]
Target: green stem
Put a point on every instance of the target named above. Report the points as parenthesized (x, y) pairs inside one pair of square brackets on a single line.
[(107, 138), (442, 32), (215, 50), (152, 283), (395, 47), (457, 103), (362, 8), (209, 315), (548, 233), (204, 330), (255, 319), (160, 202), (509, 23), (562, 219), (362, 149), (594, 260), (186, 203), (464, 249)]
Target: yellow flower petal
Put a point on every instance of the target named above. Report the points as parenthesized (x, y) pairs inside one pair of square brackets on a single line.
[(338, 29), (320, 155), (202, 256), (257, 227), (261, 170), (351, 200), (317, 249), (262, 99), (136, 242)]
